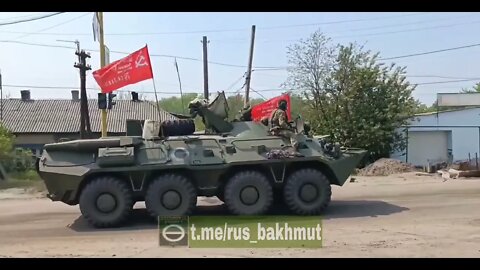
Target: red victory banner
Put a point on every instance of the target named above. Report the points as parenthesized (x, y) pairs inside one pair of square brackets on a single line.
[(131, 69), (266, 108)]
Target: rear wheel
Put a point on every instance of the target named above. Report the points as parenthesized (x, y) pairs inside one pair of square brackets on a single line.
[(106, 202), (307, 192), (171, 195), (248, 193)]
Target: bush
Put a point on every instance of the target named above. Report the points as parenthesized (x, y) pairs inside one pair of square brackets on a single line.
[(20, 163), (28, 175), (17, 162)]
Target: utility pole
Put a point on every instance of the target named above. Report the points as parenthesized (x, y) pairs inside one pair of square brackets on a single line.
[(84, 116), (249, 71), (102, 64), (205, 68)]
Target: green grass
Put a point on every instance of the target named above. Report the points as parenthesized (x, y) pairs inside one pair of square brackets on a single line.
[(25, 179), (30, 175)]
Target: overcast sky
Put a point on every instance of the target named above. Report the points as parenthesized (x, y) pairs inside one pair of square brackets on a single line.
[(180, 34)]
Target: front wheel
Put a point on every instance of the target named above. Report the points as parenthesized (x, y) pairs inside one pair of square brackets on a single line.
[(307, 192), (106, 202)]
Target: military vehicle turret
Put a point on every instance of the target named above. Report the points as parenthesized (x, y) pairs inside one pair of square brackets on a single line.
[(237, 161)]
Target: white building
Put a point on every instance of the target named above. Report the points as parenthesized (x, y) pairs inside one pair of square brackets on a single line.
[(444, 136)]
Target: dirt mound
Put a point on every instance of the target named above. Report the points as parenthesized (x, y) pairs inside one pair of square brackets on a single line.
[(386, 166)]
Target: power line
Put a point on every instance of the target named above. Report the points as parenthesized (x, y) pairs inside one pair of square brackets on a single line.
[(430, 52), (401, 56), (364, 35), (234, 83), (440, 77), (31, 19), (452, 81), (232, 65), (342, 21), (53, 26), (16, 17), (349, 30), (37, 44), (127, 34), (224, 30), (407, 30), (119, 52), (416, 23), (127, 53), (182, 57), (271, 68), (258, 93)]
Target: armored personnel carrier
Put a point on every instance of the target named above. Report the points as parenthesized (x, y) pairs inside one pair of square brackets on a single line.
[(169, 165)]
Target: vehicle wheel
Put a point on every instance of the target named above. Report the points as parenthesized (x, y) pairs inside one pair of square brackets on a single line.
[(307, 192), (106, 202), (171, 195), (248, 193)]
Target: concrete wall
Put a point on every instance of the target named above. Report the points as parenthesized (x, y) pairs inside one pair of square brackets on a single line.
[(464, 128)]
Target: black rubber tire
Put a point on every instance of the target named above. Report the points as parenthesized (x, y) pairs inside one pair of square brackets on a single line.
[(118, 190), (178, 127), (236, 185), (177, 185), (294, 184)]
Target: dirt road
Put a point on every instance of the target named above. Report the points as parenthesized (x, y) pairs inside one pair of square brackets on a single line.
[(396, 216)]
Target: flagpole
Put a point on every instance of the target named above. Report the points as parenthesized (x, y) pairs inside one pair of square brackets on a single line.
[(180, 83), (154, 87), (102, 64), (156, 99)]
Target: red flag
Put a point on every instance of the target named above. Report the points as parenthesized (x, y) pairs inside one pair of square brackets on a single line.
[(131, 69), (266, 108)]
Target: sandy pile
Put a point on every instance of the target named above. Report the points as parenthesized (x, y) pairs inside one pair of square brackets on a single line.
[(386, 166)]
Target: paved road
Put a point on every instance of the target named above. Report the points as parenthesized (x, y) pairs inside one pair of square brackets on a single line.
[(396, 216)]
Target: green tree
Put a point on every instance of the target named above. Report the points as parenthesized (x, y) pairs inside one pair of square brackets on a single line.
[(6, 143), (350, 95), (174, 104), (7, 161), (474, 89), (422, 108), (179, 105), (236, 104)]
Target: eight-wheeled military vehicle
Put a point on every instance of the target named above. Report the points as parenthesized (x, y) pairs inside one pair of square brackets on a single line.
[(170, 164)]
